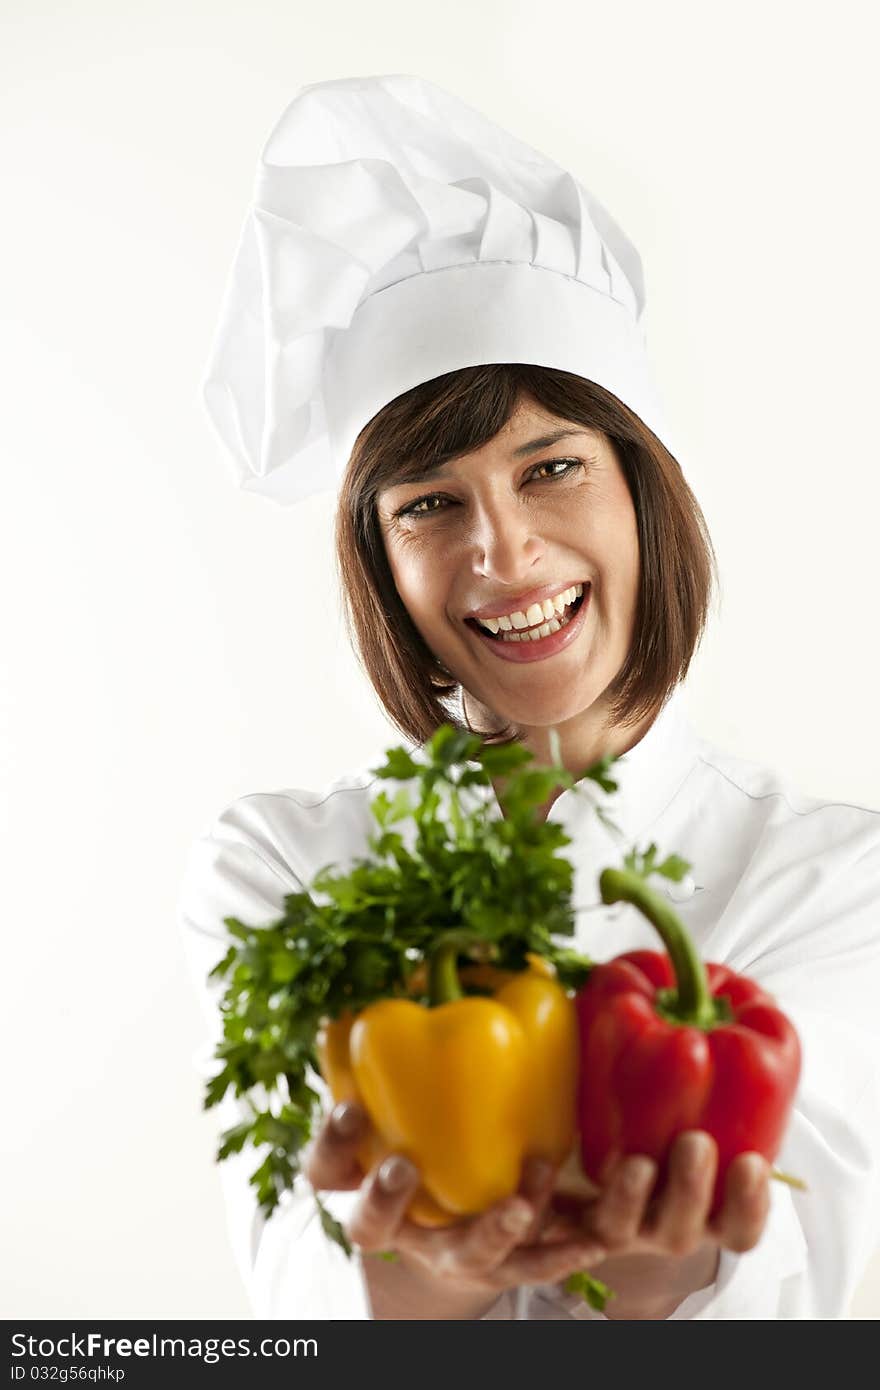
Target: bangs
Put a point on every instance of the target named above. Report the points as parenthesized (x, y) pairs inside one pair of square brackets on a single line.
[(442, 419)]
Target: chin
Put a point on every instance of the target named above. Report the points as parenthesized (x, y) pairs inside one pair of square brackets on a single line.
[(551, 713)]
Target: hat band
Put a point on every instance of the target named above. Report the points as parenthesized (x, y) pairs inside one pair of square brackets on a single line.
[(470, 315)]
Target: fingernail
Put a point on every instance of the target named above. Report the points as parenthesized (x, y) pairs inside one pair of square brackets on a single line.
[(639, 1172), (693, 1141), (516, 1220), (346, 1118), (695, 1146), (395, 1173)]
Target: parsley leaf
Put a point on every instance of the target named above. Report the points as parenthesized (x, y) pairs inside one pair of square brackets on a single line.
[(591, 1289)]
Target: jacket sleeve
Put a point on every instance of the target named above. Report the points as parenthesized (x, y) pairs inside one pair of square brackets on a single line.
[(820, 957), (290, 1268)]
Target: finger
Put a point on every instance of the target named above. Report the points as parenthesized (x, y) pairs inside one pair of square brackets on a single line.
[(331, 1160), (490, 1249), (614, 1220), (473, 1247), (679, 1224), (743, 1215), (536, 1186), (387, 1191), (559, 1228), (487, 1250), (547, 1264)]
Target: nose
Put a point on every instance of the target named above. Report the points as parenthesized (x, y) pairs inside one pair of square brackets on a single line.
[(505, 547)]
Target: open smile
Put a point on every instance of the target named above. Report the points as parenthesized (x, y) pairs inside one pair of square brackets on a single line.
[(519, 646)]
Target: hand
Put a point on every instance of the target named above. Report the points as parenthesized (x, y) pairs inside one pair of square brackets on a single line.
[(453, 1268), (661, 1249)]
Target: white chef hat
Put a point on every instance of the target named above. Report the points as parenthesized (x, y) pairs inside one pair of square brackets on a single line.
[(396, 234)]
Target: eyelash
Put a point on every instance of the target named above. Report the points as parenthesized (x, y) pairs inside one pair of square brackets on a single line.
[(570, 465)]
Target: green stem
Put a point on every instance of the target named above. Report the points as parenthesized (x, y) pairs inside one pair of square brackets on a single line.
[(693, 1003), (789, 1179), (443, 982)]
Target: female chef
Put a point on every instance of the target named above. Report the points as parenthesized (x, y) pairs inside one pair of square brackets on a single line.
[(539, 509), (441, 325)]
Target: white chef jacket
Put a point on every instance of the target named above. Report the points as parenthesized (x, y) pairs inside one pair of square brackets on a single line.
[(784, 888)]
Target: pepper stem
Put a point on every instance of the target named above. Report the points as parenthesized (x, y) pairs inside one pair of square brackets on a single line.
[(693, 1002), (443, 982)]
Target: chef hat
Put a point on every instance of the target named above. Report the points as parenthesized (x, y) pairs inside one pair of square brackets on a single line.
[(396, 234)]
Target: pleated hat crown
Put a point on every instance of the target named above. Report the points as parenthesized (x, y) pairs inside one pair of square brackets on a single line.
[(396, 234)]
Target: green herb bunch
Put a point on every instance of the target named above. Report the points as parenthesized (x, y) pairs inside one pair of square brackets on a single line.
[(499, 884)]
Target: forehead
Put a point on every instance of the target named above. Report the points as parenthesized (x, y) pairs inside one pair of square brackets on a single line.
[(530, 424)]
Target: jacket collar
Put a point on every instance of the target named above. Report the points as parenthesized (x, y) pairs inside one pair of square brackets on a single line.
[(648, 777), (650, 774)]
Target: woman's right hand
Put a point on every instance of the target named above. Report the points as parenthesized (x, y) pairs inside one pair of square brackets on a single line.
[(453, 1271)]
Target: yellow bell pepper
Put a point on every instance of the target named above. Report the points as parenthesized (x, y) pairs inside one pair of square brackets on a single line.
[(466, 1088)]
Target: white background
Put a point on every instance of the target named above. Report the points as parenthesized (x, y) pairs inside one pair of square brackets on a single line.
[(170, 643)]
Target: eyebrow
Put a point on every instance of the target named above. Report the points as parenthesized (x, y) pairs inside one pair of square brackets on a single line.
[(412, 473)]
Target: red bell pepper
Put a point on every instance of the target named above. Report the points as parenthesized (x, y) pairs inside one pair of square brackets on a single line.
[(669, 1045)]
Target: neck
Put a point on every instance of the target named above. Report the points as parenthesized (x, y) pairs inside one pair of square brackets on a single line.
[(583, 740)]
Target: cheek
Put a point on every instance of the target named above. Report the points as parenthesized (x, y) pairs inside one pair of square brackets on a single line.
[(615, 545), (415, 576)]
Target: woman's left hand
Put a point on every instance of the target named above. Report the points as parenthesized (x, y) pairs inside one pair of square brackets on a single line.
[(661, 1250)]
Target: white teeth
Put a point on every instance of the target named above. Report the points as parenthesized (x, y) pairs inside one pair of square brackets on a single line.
[(533, 615), (536, 633)]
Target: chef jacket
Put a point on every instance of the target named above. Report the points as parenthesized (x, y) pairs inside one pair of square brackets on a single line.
[(784, 888)]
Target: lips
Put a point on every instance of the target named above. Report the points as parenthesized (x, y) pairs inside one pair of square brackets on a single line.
[(567, 613), (523, 602), (541, 648)]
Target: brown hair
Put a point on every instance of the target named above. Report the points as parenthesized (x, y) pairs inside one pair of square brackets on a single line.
[(454, 414)]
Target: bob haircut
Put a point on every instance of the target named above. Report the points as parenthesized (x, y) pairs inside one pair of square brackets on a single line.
[(459, 412)]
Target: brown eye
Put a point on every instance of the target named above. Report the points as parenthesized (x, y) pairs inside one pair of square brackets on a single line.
[(411, 509), (568, 466)]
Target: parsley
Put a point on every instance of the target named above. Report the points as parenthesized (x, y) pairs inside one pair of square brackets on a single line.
[(352, 938), (591, 1289)]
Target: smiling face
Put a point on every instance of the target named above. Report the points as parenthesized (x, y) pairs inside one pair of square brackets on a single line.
[(513, 522)]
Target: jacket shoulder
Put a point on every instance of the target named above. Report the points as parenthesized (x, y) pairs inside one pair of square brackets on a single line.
[(265, 845), (765, 796), (300, 829)]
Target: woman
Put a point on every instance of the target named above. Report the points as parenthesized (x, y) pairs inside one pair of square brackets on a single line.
[(470, 493)]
